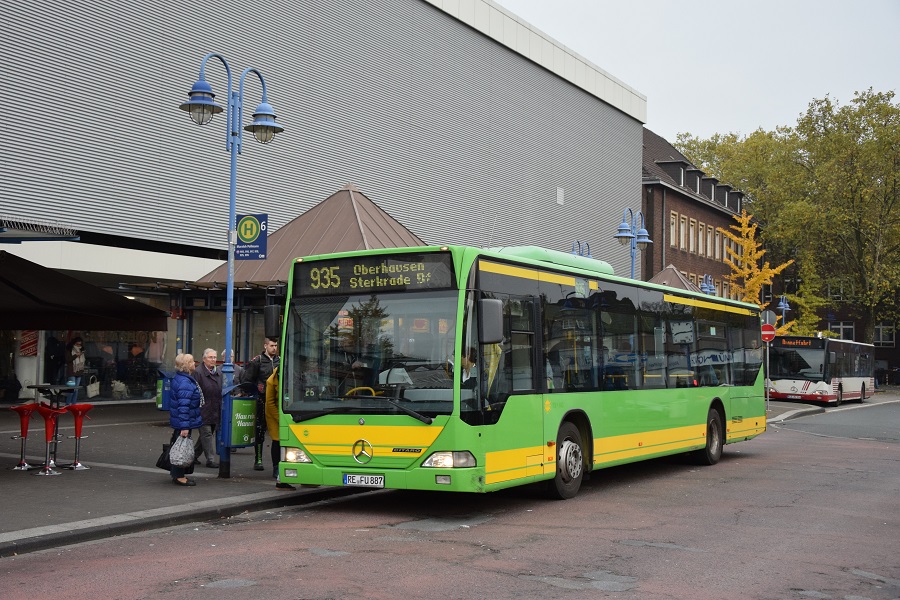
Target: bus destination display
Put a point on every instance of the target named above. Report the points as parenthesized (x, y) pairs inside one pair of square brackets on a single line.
[(369, 274), (800, 342)]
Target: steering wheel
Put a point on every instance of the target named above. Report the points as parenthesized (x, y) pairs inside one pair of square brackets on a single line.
[(359, 389)]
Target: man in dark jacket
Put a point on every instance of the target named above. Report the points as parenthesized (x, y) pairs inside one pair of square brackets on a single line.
[(209, 377), (255, 374)]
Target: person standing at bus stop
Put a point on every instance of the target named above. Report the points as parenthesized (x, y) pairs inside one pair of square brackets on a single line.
[(272, 400), (209, 378), (184, 409), (257, 372)]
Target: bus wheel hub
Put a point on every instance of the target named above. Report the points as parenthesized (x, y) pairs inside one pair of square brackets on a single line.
[(571, 461)]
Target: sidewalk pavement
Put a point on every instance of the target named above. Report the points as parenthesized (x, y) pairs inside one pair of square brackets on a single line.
[(124, 492)]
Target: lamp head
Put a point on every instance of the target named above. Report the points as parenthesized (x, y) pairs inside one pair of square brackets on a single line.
[(264, 126), (643, 239), (201, 105), (783, 305), (624, 234)]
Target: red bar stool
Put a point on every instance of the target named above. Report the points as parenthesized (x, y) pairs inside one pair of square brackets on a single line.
[(79, 411), (24, 411), (50, 416)]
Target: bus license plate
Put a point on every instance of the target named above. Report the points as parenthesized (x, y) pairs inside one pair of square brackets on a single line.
[(372, 481), (793, 397)]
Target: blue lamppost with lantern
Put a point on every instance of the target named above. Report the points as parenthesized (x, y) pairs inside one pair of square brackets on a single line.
[(707, 286), (202, 107), (784, 307), (629, 233)]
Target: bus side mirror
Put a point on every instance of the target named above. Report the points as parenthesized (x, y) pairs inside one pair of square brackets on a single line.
[(273, 319), (490, 322)]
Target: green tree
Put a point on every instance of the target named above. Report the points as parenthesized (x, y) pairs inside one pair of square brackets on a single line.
[(826, 193)]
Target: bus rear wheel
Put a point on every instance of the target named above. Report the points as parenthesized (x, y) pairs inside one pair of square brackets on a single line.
[(711, 454), (862, 394), (569, 463)]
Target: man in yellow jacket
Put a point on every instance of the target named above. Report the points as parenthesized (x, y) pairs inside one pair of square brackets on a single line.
[(272, 427)]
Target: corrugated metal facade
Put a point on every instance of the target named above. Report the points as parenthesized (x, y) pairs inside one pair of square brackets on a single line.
[(457, 137)]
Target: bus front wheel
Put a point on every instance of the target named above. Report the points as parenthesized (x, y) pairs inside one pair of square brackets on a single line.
[(839, 398), (711, 454), (569, 463)]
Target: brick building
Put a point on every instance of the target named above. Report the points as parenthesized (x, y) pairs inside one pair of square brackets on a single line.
[(683, 208)]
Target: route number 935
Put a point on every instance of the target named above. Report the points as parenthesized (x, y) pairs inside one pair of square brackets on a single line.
[(324, 278)]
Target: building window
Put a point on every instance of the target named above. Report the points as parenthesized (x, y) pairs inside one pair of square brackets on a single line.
[(884, 334), (718, 288), (693, 278), (718, 246), (683, 234), (725, 290), (844, 329), (673, 229), (701, 247), (709, 240), (692, 242)]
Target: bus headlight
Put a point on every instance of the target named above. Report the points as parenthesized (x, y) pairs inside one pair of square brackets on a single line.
[(449, 460), (294, 455)]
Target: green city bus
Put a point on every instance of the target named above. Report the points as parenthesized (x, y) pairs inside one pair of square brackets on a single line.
[(474, 370)]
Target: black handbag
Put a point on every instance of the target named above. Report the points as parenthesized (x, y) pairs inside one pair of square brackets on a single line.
[(163, 461)]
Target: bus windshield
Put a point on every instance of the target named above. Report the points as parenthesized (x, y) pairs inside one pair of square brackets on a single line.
[(797, 363), (369, 354)]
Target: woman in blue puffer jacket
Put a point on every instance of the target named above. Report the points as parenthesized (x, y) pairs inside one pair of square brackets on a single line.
[(184, 408)]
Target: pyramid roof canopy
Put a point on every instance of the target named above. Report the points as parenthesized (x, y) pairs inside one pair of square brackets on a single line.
[(673, 278), (345, 221)]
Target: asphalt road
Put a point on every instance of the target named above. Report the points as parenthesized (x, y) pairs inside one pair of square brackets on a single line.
[(875, 420), (792, 514)]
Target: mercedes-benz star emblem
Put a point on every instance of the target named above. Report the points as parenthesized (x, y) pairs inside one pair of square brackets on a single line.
[(362, 451)]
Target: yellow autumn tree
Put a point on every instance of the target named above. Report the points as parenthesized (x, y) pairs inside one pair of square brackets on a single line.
[(748, 272)]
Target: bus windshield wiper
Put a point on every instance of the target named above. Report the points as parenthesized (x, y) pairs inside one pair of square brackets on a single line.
[(393, 402)]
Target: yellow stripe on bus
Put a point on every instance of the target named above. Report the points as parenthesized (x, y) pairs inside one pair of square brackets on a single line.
[(704, 304), (632, 445), (747, 428), (523, 273), (506, 465), (519, 272)]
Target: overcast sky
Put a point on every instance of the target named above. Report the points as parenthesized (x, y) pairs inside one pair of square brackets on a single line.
[(719, 66)]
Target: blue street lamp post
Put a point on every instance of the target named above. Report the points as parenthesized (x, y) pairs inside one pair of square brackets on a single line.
[(707, 286), (784, 307), (202, 108), (629, 233)]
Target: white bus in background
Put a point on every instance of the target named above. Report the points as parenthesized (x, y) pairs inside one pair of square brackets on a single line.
[(825, 370)]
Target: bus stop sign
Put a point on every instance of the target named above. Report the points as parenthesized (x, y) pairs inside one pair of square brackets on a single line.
[(768, 333)]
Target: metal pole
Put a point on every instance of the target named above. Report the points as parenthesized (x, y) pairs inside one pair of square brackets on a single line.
[(766, 378), (633, 243), (234, 109)]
